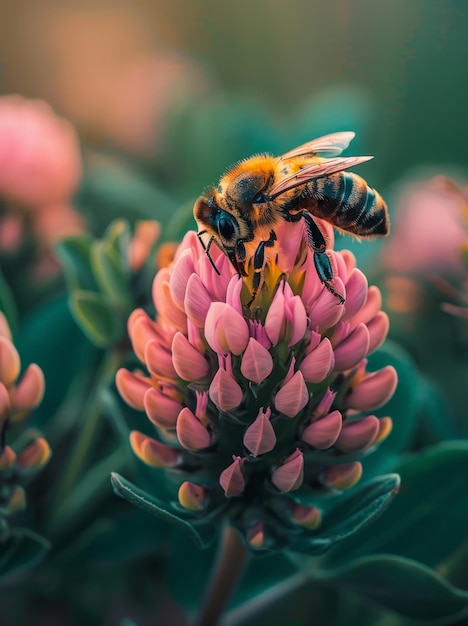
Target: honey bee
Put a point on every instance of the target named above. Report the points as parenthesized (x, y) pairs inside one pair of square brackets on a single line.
[(256, 194)]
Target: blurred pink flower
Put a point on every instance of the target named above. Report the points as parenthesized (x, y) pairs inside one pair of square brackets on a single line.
[(254, 404), (40, 159), (428, 230)]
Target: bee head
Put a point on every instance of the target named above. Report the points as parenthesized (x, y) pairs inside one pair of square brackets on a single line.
[(222, 224)]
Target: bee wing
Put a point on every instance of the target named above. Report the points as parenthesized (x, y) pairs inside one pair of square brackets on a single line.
[(328, 145), (315, 170)]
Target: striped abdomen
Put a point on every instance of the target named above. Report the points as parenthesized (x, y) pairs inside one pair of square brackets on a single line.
[(347, 202)]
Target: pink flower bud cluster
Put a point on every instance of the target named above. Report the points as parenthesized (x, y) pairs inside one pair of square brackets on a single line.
[(40, 168), (252, 404), (17, 399)]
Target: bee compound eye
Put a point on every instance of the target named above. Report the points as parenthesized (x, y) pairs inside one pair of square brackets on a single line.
[(226, 228)]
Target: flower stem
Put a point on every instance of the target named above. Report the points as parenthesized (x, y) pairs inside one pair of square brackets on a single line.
[(90, 419), (228, 569)]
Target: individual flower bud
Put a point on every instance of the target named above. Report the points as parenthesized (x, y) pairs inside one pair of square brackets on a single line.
[(358, 435), (373, 391), (34, 456), (189, 364), (225, 392), (190, 431), (307, 516), (29, 392), (232, 478), (9, 362), (385, 428), (289, 475), (256, 536), (153, 452), (132, 387), (257, 363), (192, 497), (5, 404), (323, 433), (293, 396), (318, 364), (7, 459), (225, 329), (260, 438), (342, 476), (161, 408), (4, 328)]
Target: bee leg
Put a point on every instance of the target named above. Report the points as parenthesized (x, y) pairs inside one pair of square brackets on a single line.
[(259, 263), (207, 249), (321, 260)]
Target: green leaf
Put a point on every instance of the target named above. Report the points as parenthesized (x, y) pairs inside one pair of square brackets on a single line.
[(345, 515), (74, 254), (429, 518), (21, 551), (148, 503), (48, 337), (402, 408), (404, 586), (97, 318), (111, 274)]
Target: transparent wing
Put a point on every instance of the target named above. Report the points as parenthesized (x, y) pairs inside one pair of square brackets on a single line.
[(315, 170), (327, 146)]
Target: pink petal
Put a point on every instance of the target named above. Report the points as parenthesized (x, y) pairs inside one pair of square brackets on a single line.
[(260, 437), (319, 363), (153, 452), (164, 303), (289, 476), (257, 362), (356, 293), (161, 409), (132, 388), (232, 478), (138, 331), (192, 497), (191, 432), (7, 459), (352, 349), (30, 391), (181, 272), (225, 392), (275, 316), (371, 306), (323, 433), (359, 435), (326, 309), (10, 364), (188, 362), (378, 330), (324, 406), (158, 359), (197, 301), (233, 293), (373, 391), (297, 318), (293, 396), (225, 329), (5, 404), (341, 476)]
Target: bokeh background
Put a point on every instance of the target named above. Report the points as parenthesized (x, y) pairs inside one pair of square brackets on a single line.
[(164, 97)]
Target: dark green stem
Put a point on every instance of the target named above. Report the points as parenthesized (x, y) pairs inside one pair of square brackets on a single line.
[(226, 574), (89, 419)]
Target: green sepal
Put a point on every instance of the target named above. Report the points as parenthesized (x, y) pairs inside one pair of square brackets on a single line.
[(118, 235), (111, 274), (74, 253), (97, 318), (21, 551), (203, 533), (402, 585)]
